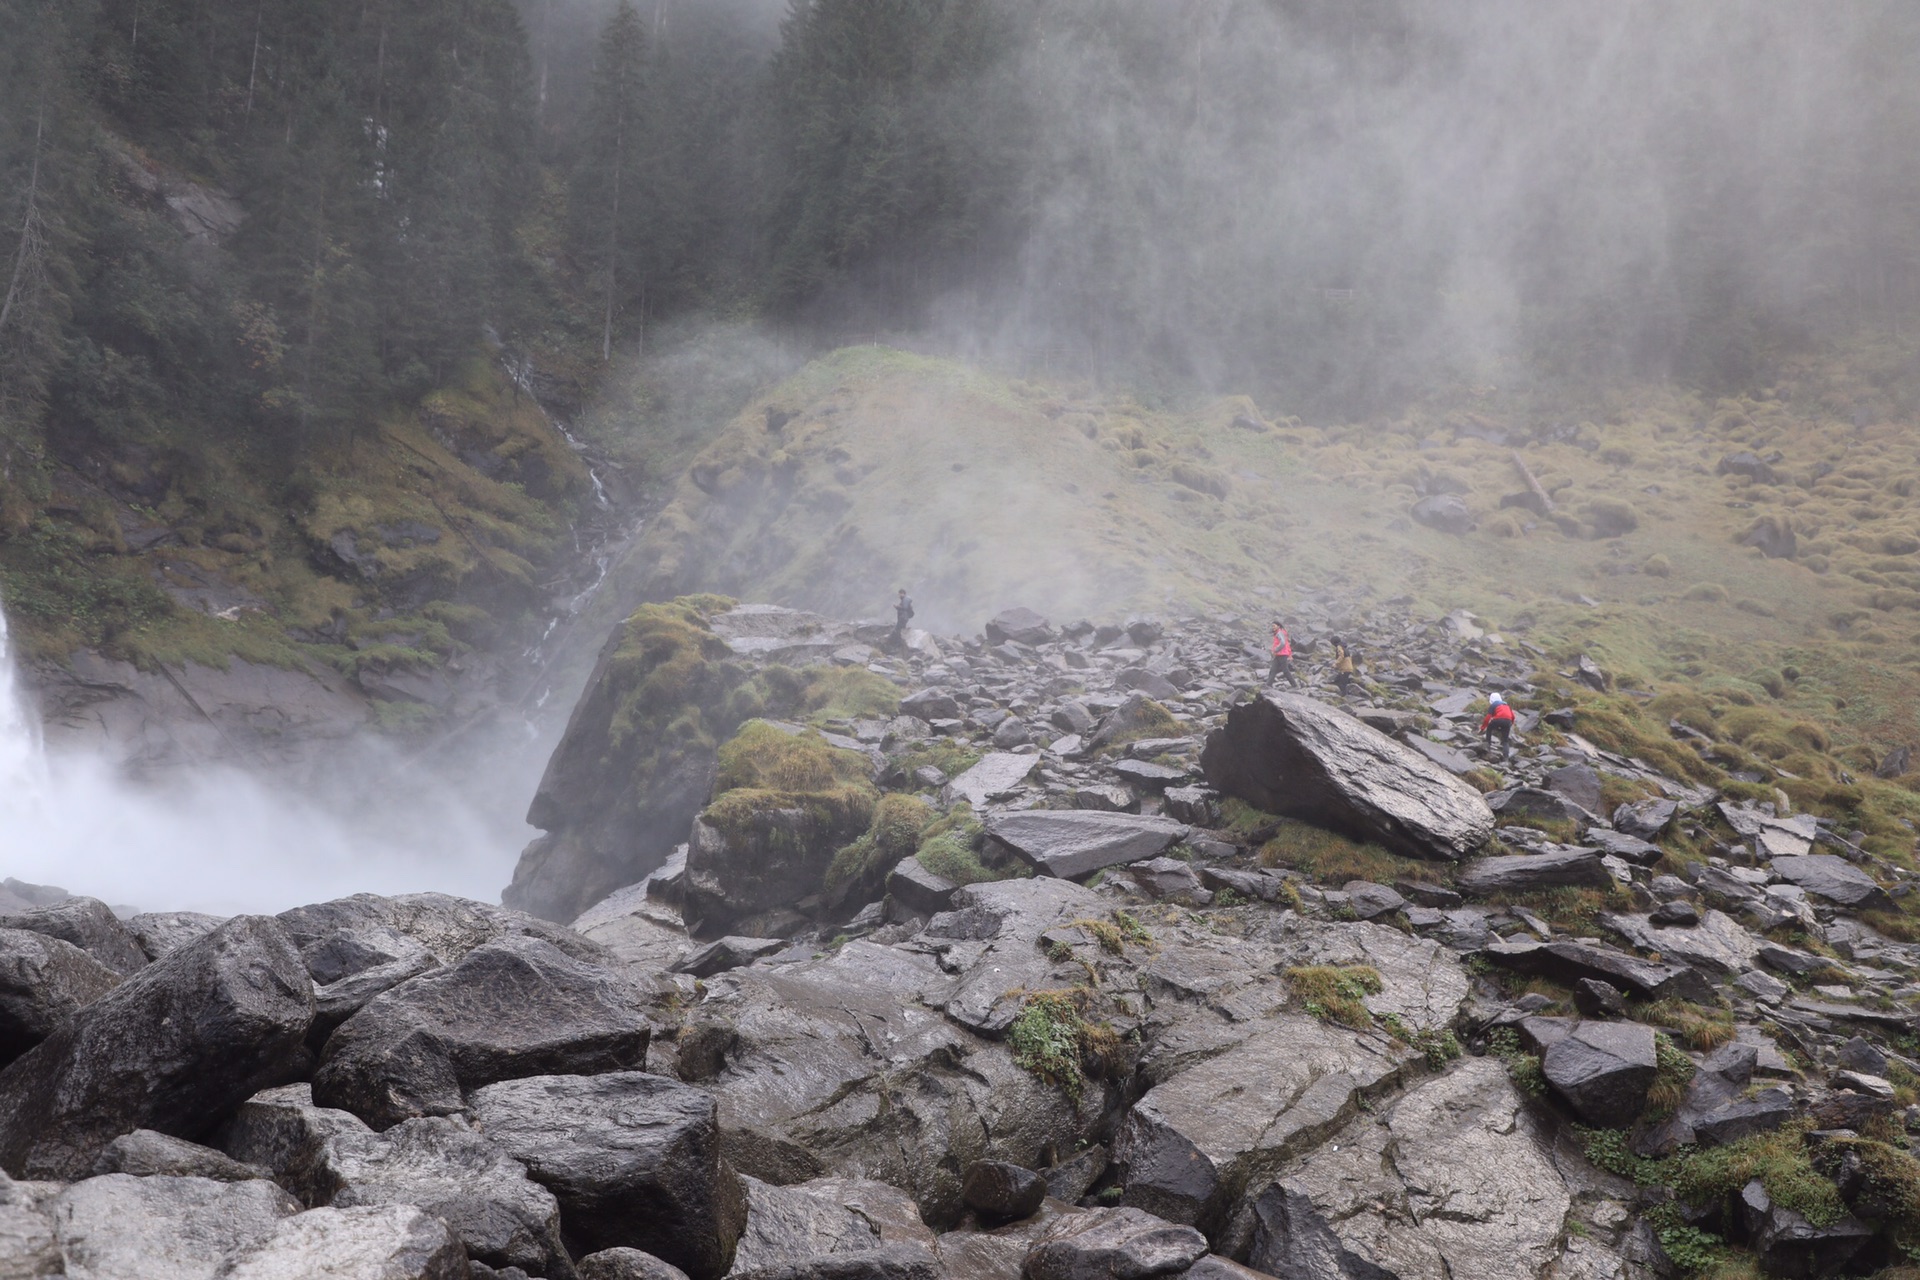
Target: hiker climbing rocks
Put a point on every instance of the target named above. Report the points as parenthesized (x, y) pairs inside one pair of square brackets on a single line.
[(1342, 665), (1498, 724), (902, 615), (1282, 655)]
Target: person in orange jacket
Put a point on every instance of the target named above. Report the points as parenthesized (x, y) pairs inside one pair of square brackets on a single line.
[(1282, 655), (1498, 724)]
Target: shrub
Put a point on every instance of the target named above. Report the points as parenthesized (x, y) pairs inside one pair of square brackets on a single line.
[(1052, 1038), (894, 834), (1657, 566), (1707, 593), (950, 848), (766, 757)]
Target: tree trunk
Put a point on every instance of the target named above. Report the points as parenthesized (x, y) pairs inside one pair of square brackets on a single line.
[(26, 256)]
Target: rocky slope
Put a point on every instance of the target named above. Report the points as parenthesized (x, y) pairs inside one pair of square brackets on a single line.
[(981, 958)]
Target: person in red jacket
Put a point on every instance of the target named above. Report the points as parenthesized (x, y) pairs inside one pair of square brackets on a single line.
[(1282, 655), (1498, 724)]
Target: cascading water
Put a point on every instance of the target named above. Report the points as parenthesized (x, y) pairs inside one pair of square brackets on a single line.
[(216, 839)]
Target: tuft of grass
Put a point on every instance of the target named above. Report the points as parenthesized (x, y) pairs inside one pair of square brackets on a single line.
[(1702, 1027), (950, 848), (1523, 1068), (763, 756), (1674, 1070), (1053, 1039), (893, 834), (1329, 856), (1336, 993), (1779, 1159)]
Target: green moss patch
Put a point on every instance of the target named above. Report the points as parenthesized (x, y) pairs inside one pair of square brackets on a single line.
[(1336, 993)]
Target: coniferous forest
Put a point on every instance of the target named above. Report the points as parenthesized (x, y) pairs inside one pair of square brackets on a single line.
[(1260, 194)]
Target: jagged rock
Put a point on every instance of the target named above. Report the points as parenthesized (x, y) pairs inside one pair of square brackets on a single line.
[(1077, 842), (1835, 879), (1645, 819), (1531, 802), (1166, 878), (1895, 763), (144, 1153), (1428, 895), (1010, 733), (1465, 1157), (281, 1130), (1579, 784), (930, 704), (88, 924), (1020, 625), (501, 1217), (1445, 512), (633, 1159), (1261, 886), (1859, 1054), (513, 1007), (1388, 720), (1109, 798), (1675, 914), (1453, 761), (1002, 1192), (1603, 1070), (1567, 961), (1290, 755), (43, 981), (727, 953), (1597, 999), (1588, 672), (1627, 848), (1524, 873), (1150, 684), (839, 1221), (919, 890), (1196, 1143), (173, 1048), (1368, 901), (448, 927), (1146, 775), (1195, 806), (1786, 1244), (119, 1227), (1137, 716), (1747, 463), (994, 776), (639, 924), (395, 1242), (1715, 944), (1113, 1244), (626, 1264), (159, 932)]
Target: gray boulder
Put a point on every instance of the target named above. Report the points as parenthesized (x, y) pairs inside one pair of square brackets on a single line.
[(727, 953), (1022, 626), (1786, 1244), (510, 1008), (1524, 873), (1603, 1070), (633, 1159), (626, 1264), (919, 890), (144, 1153), (88, 924), (775, 857), (43, 981), (1640, 853), (393, 1242), (1645, 819), (159, 932), (1445, 512), (1145, 775), (173, 1048), (281, 1130), (1113, 1244), (1577, 783), (447, 926), (120, 1227), (930, 704), (1834, 878), (994, 776), (501, 1217), (1291, 755), (1568, 960), (1002, 1192), (1075, 842), (840, 1218)]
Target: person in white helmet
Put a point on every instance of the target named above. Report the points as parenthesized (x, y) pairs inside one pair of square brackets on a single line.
[(1498, 724)]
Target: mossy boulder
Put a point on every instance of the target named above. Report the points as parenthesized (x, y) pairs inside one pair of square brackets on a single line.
[(637, 761), (785, 804)]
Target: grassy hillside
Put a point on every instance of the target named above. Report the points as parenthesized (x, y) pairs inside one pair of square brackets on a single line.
[(873, 469)]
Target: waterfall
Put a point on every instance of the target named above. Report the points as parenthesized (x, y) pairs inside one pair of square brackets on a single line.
[(224, 840), (22, 769)]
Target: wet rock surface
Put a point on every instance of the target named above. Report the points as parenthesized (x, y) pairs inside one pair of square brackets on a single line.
[(1299, 1002)]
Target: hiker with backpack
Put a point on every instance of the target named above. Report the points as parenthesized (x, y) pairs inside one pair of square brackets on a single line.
[(1498, 724), (1343, 665), (1282, 655), (902, 615)]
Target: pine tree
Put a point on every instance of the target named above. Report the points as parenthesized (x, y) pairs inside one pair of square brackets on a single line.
[(611, 210)]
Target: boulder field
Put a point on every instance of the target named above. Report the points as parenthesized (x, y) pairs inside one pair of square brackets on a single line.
[(1057, 954)]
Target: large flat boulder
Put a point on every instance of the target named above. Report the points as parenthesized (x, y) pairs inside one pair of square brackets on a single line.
[(1113, 1244), (1834, 878), (1069, 843), (1195, 1144), (173, 1048), (996, 774), (824, 1216), (1527, 872), (1603, 1070), (515, 1007), (120, 1227), (1288, 754), (392, 1242), (1467, 1167), (1568, 960), (634, 1160)]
